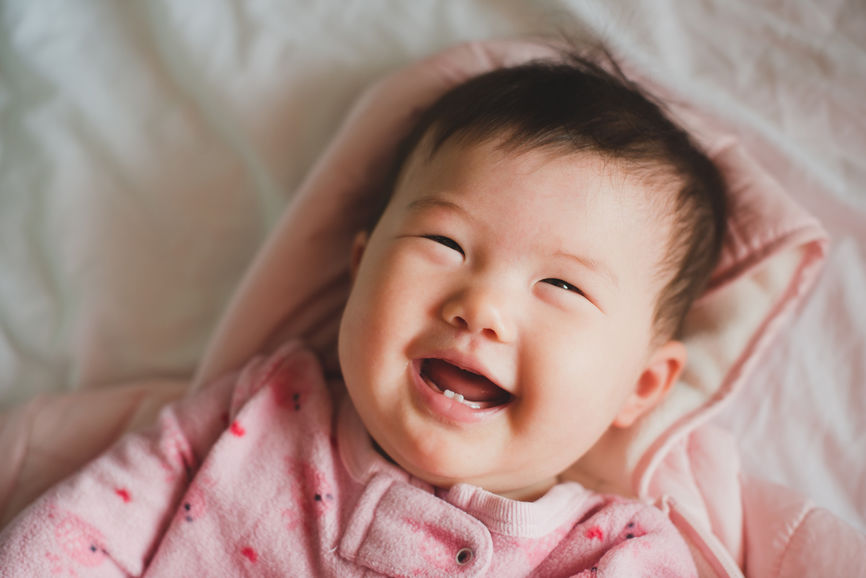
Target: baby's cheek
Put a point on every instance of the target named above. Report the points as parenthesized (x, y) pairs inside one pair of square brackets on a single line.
[(563, 429)]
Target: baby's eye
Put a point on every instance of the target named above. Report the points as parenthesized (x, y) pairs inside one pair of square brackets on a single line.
[(563, 285), (448, 242)]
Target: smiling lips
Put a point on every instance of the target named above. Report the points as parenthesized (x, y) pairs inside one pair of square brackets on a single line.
[(470, 389)]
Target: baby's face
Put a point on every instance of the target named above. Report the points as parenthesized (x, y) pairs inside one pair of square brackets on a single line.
[(501, 314)]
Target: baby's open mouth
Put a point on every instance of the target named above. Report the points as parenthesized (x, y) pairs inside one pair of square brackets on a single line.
[(466, 387)]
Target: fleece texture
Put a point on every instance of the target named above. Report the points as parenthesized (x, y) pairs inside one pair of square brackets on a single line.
[(269, 472)]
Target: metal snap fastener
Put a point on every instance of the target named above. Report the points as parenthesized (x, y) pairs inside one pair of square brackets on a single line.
[(464, 556)]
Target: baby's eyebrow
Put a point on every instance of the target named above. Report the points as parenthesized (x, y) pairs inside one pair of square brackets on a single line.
[(434, 202), (593, 265)]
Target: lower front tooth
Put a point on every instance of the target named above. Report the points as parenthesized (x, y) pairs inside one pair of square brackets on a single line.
[(459, 397)]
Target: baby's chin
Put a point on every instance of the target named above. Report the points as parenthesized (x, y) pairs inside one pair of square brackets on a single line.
[(524, 491)]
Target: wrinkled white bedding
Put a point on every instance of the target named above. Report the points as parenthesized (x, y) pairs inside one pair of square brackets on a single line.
[(146, 149)]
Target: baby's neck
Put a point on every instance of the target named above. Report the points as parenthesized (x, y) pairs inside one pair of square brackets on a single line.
[(528, 494)]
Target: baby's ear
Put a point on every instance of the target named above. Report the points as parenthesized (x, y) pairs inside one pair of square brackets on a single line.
[(358, 246), (658, 377)]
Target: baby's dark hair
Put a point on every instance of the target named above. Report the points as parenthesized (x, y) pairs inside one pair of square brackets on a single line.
[(577, 105)]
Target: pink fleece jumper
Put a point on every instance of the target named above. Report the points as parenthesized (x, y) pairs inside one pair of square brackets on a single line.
[(262, 474)]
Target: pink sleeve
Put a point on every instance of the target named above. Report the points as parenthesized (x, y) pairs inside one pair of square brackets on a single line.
[(786, 535), (108, 519)]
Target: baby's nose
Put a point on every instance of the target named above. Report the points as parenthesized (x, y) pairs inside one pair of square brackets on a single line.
[(480, 309)]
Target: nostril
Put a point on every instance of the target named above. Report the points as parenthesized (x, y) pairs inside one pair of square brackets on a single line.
[(476, 312), (459, 322)]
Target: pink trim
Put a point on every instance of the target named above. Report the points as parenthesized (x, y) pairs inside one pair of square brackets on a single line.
[(802, 281)]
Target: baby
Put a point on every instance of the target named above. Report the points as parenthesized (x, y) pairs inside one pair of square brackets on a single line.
[(522, 292)]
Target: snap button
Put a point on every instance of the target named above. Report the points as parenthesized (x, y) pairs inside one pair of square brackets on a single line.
[(464, 556)]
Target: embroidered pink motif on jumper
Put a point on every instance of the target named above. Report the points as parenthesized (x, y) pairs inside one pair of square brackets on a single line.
[(194, 504), (250, 554), (80, 543), (632, 531), (290, 384), (311, 494), (237, 429)]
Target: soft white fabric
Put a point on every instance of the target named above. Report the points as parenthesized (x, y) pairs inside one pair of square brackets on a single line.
[(146, 148)]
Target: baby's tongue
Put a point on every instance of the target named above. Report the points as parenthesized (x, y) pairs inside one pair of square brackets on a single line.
[(471, 386)]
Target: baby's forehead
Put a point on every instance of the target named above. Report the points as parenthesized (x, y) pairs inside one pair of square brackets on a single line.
[(650, 185)]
